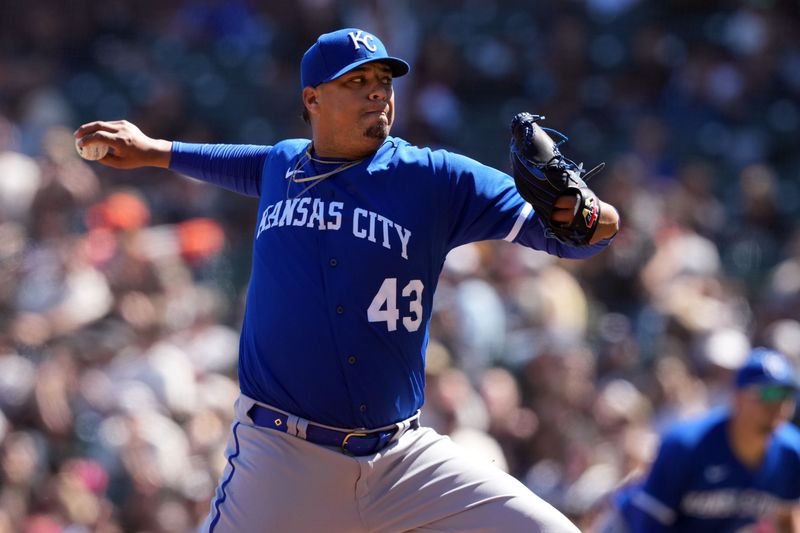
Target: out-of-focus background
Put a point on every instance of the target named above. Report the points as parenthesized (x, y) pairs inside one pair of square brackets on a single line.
[(121, 292)]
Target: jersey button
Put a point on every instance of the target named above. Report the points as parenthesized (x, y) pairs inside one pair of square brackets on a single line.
[(351, 359), (333, 262), (363, 408), (339, 310)]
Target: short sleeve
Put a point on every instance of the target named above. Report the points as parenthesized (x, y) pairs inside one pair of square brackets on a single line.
[(484, 203)]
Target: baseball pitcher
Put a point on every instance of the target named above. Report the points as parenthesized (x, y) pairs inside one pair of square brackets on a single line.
[(352, 230)]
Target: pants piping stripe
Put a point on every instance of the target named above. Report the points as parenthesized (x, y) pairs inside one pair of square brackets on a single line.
[(219, 500)]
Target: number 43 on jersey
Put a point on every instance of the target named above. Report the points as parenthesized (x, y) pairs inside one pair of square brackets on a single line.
[(384, 305)]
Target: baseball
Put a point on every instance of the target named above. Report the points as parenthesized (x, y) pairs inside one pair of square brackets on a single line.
[(92, 152)]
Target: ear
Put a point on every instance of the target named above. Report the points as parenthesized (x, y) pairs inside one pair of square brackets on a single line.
[(311, 100)]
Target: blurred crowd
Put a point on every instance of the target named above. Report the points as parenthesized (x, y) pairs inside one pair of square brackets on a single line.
[(121, 292)]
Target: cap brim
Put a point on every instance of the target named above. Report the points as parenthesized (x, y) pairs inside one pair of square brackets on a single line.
[(398, 66), (767, 382)]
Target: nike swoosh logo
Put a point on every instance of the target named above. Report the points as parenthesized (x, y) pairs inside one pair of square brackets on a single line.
[(292, 173)]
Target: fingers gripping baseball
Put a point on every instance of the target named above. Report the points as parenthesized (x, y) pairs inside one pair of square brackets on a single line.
[(128, 146)]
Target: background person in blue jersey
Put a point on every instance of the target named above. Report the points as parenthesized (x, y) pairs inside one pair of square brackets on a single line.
[(731, 470), (351, 235)]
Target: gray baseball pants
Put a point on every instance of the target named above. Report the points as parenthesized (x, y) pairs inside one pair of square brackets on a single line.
[(421, 482)]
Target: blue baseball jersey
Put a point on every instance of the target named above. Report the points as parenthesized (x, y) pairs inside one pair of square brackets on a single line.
[(345, 268), (697, 484)]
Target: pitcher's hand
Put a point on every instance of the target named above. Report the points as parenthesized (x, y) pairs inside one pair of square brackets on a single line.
[(565, 210), (129, 147)]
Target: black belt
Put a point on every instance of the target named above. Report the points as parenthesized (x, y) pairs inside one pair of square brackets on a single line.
[(356, 442)]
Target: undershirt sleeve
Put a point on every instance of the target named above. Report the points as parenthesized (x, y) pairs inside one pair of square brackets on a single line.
[(534, 235), (236, 167)]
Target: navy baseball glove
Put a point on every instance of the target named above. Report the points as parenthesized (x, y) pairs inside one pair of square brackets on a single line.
[(542, 175)]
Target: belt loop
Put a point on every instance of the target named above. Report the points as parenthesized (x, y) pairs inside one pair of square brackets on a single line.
[(403, 426), (296, 426), (302, 425), (291, 425)]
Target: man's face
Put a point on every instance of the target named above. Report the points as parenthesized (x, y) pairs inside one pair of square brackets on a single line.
[(767, 407), (355, 109)]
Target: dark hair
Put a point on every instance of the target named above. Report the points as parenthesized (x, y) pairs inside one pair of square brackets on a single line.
[(305, 116)]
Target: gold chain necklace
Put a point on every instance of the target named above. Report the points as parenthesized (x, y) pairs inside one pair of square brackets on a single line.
[(315, 180)]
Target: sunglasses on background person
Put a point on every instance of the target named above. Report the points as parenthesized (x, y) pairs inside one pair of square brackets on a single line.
[(774, 393)]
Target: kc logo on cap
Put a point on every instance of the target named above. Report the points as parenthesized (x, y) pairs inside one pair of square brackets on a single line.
[(337, 53), (766, 367), (363, 38)]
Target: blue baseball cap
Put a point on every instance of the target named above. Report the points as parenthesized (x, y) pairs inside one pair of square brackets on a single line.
[(339, 52), (766, 367)]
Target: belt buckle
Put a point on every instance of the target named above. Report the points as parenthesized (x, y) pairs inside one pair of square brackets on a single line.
[(348, 437)]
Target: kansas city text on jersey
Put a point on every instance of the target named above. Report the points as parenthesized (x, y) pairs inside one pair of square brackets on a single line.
[(726, 503), (315, 213)]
